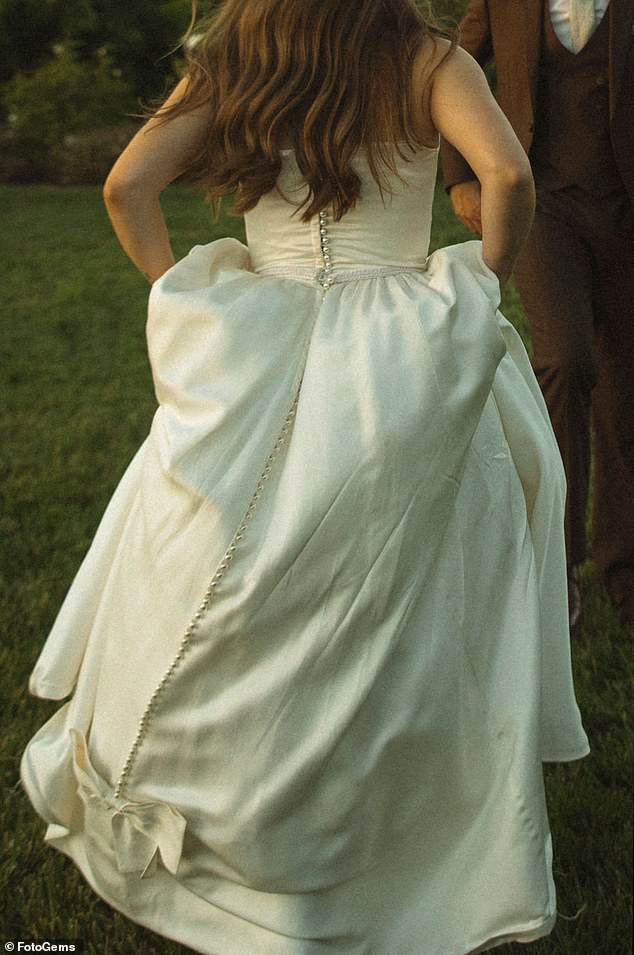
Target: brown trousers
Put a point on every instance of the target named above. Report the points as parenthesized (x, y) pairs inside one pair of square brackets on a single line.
[(576, 281)]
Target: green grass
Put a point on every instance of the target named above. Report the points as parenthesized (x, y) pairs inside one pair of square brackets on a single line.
[(76, 402)]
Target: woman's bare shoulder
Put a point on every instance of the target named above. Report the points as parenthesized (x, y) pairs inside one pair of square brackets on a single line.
[(432, 53)]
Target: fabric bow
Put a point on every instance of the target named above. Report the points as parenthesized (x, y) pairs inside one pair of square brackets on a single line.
[(141, 831)]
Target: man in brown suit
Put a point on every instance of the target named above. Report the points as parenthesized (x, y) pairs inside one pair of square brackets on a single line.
[(565, 79)]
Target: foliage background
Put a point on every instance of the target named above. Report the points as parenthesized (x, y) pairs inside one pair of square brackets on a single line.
[(73, 78)]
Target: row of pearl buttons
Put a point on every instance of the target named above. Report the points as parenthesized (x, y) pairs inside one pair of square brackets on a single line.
[(191, 632), (324, 276)]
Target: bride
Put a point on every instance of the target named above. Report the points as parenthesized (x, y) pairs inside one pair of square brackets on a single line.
[(318, 650)]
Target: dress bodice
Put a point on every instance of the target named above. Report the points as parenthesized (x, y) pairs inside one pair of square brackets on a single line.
[(382, 230)]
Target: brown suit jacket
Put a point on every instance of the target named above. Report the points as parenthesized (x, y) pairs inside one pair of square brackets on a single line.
[(509, 33)]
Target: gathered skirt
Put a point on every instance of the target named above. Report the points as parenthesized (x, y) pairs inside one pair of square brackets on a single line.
[(319, 647)]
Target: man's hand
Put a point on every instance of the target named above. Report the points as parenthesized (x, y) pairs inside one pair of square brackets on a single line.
[(465, 199)]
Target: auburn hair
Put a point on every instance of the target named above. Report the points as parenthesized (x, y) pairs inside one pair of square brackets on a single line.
[(323, 77)]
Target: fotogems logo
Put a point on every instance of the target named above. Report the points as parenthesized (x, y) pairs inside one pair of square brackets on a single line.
[(44, 945)]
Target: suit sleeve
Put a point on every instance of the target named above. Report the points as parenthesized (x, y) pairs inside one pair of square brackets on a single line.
[(474, 36)]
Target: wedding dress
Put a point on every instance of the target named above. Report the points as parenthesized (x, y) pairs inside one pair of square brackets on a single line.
[(318, 649)]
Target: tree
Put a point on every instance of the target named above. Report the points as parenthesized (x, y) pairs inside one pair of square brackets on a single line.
[(65, 96), (48, 108), (137, 36), (29, 30)]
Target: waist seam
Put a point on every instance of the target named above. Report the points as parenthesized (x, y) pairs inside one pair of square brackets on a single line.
[(337, 276)]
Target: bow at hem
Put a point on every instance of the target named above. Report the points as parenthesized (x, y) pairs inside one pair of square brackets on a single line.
[(142, 832)]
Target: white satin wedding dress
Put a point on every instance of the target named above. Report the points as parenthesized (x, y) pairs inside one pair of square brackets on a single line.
[(318, 649)]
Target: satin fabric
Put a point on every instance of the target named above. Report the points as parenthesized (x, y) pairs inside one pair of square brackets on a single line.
[(336, 746)]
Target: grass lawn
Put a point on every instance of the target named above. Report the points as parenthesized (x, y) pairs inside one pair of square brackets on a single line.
[(76, 401)]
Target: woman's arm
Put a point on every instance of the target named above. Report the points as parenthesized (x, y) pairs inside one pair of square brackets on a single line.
[(464, 111), (474, 37), (156, 155)]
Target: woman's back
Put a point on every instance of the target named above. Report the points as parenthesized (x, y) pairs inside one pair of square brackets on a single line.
[(386, 227), (324, 78)]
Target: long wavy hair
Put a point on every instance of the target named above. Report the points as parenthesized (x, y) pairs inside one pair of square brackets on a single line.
[(323, 77)]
